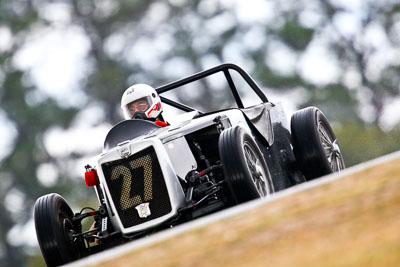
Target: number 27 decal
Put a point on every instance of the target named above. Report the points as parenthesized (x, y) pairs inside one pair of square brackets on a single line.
[(126, 201)]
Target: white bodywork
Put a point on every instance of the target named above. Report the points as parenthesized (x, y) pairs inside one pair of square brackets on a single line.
[(175, 159)]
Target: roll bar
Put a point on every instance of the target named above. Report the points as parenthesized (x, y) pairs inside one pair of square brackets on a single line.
[(200, 75)]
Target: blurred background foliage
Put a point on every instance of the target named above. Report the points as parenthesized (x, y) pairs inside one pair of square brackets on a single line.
[(64, 65)]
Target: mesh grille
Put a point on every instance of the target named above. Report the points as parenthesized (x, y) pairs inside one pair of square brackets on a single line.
[(136, 180)]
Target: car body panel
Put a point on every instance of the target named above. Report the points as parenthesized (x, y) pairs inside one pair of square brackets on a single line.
[(174, 188)]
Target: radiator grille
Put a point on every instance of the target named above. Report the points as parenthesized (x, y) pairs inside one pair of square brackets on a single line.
[(134, 181)]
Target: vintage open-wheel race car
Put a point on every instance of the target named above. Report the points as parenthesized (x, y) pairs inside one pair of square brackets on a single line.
[(150, 178)]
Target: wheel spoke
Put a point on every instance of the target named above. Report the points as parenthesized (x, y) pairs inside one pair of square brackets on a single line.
[(328, 156), (333, 164), (261, 187), (256, 171), (251, 168), (325, 141), (250, 158), (324, 132), (250, 162), (328, 152), (324, 136), (260, 171), (326, 146), (248, 155), (338, 163)]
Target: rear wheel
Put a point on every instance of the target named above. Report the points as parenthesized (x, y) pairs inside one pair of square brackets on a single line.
[(314, 143), (54, 226), (244, 167)]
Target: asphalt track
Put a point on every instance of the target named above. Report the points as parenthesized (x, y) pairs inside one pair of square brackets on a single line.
[(158, 237)]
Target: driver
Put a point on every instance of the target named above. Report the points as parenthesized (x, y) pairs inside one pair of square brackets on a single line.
[(141, 101)]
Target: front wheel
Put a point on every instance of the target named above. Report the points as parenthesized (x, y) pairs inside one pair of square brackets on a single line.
[(244, 167), (54, 229), (314, 143)]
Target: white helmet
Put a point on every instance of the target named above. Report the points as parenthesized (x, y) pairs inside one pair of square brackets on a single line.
[(141, 101)]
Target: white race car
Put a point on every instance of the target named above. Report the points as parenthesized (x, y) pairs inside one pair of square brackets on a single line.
[(150, 178)]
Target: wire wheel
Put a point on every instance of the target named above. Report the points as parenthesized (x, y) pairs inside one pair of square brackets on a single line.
[(314, 144), (245, 170), (331, 147), (256, 170)]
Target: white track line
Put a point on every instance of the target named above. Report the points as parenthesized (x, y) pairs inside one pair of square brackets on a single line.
[(198, 223)]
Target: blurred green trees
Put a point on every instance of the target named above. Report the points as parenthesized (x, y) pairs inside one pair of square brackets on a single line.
[(341, 57), (362, 142)]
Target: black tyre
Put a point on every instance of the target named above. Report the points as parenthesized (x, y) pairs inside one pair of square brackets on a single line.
[(244, 166), (314, 143), (53, 222)]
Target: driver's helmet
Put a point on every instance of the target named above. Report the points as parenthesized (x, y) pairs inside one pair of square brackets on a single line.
[(141, 101)]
